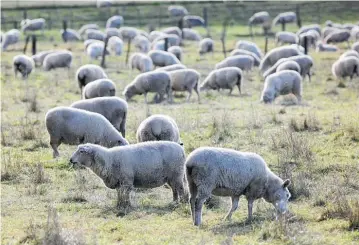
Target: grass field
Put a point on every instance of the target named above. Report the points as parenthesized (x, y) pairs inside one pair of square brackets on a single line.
[(315, 144)]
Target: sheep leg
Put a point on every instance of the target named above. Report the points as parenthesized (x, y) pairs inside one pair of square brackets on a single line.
[(179, 187), (54, 146), (230, 91), (174, 191), (239, 88), (193, 196), (123, 197), (189, 95), (235, 201), (197, 92), (202, 196), (145, 98), (250, 209), (310, 77)]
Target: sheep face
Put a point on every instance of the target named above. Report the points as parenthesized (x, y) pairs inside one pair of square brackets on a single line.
[(281, 197), (129, 92), (268, 97), (82, 156)]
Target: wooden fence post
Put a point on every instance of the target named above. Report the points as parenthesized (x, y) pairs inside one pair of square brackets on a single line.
[(283, 26), (299, 20), (305, 45), (64, 26), (266, 44), (223, 37), (166, 44), (33, 44), (26, 42), (24, 14), (104, 53), (128, 50)]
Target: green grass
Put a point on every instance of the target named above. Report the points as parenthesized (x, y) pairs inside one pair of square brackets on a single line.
[(320, 158)]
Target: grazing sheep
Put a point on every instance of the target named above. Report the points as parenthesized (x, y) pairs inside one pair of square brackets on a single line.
[(75, 126), (350, 53), (193, 20), (177, 11), (312, 38), (249, 46), (153, 81), (163, 58), (346, 67), (327, 30), (171, 67), (286, 17), (348, 26), (86, 27), (226, 172), (355, 46), (259, 18), (306, 28), (154, 35), (128, 32), (114, 109), (142, 165), (185, 80), (110, 32), (338, 36), (103, 3), (285, 37), (257, 60), (33, 25), (23, 64), (206, 45), (99, 88), (225, 78), (142, 43), (192, 35), (90, 41), (70, 35), (244, 62), (172, 30), (176, 51), (281, 83), (173, 39), (95, 50), (57, 59), (39, 57), (141, 62), (289, 65), (330, 23), (158, 128), (95, 34), (354, 33), (115, 21), (322, 47), (115, 45), (88, 73), (275, 54), (143, 33), (11, 37)]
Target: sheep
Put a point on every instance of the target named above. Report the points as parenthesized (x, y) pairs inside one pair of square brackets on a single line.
[(114, 22), (158, 128), (75, 126), (185, 80), (95, 50), (95, 34), (350, 53), (128, 32), (176, 51), (330, 23), (91, 41), (288, 65), (115, 45), (39, 57), (86, 27), (163, 58), (338, 36), (114, 109), (142, 43), (88, 73), (70, 35), (285, 37), (103, 3), (306, 28), (249, 46), (143, 33), (354, 33), (259, 18), (286, 17), (99, 88), (141, 62), (225, 78), (244, 62), (173, 30), (281, 83), (257, 60), (322, 47), (110, 32), (154, 35), (327, 30), (142, 165), (23, 64), (348, 26), (193, 20), (346, 67), (226, 172), (57, 59), (33, 25), (177, 11), (171, 67), (312, 38), (206, 45), (173, 39), (355, 46), (11, 37), (275, 54), (192, 35), (153, 81)]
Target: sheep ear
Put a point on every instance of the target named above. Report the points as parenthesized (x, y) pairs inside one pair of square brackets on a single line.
[(286, 183), (85, 149)]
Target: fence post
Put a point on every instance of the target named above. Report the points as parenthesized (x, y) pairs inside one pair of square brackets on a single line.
[(15, 24), (139, 17), (24, 14), (128, 50), (283, 26), (299, 20), (166, 44), (205, 17), (64, 26), (180, 25), (26, 42), (33, 44), (223, 37), (305, 45), (104, 52), (266, 44)]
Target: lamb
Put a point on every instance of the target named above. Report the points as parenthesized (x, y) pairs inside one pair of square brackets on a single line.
[(128, 32), (192, 35), (75, 126), (244, 62), (177, 11), (226, 172), (86, 27), (275, 54), (141, 62), (249, 46), (346, 67), (163, 58), (288, 65), (306, 28), (176, 51), (88, 73), (33, 25), (259, 18), (193, 20), (114, 21), (39, 57), (142, 43), (205, 46), (158, 128), (115, 45), (153, 81), (70, 35), (57, 59), (173, 30), (185, 80), (257, 60), (99, 88), (322, 47), (95, 34), (285, 37), (171, 67), (95, 50), (23, 64), (286, 17), (350, 53), (281, 83), (225, 78), (114, 109), (355, 46), (338, 37), (10, 38), (111, 32), (142, 165)]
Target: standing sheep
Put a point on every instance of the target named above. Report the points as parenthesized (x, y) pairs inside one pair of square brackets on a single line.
[(75, 126), (95, 49), (259, 18), (306, 28), (286, 17), (114, 109), (281, 83), (88, 73), (193, 21), (128, 32), (312, 38), (23, 64), (115, 21), (99, 88), (191, 35), (33, 25), (285, 37), (206, 45), (289, 65), (257, 60), (86, 27), (39, 57), (95, 34), (70, 35), (249, 46), (173, 40), (143, 165), (171, 67), (176, 51), (177, 11), (225, 78), (163, 58), (173, 30), (141, 62), (244, 62), (158, 128), (338, 36), (142, 43), (226, 172), (185, 80), (346, 67), (115, 45), (10, 38), (57, 59)]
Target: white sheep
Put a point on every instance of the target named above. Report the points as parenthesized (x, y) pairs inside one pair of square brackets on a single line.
[(114, 109), (154, 35), (23, 64), (257, 60), (115, 21), (86, 27), (95, 49), (141, 62), (176, 51), (306, 28), (190, 34), (206, 45), (142, 165), (154, 81), (350, 53), (286, 17), (289, 65), (33, 25), (285, 37), (143, 33), (57, 59), (163, 58), (90, 41), (39, 57), (177, 11), (249, 46), (338, 36), (281, 83), (88, 73), (75, 126), (244, 62), (355, 46), (70, 35), (346, 67), (312, 37), (193, 21), (115, 45), (173, 39), (327, 30), (171, 67), (226, 172), (128, 32), (10, 38), (354, 33), (225, 78), (142, 43), (173, 30), (110, 32), (322, 47), (158, 128), (99, 88), (185, 80), (95, 34), (259, 18)]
